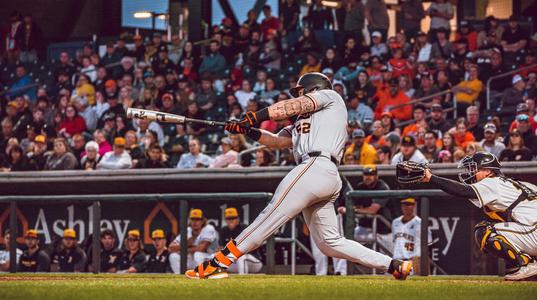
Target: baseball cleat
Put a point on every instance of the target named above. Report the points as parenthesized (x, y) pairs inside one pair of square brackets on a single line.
[(207, 271), (525, 272), (403, 270)]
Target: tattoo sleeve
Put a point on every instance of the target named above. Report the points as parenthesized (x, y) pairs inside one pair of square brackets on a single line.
[(275, 141), (292, 107)]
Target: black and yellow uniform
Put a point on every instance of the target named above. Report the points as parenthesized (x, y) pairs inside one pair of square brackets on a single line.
[(70, 260), (158, 263), (136, 261), (109, 259), (39, 261)]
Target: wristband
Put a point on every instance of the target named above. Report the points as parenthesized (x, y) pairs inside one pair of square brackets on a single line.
[(254, 135), (262, 115)]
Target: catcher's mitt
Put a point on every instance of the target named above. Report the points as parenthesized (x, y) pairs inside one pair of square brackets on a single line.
[(410, 172)]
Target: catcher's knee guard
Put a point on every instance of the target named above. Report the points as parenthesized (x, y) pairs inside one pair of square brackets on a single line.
[(489, 241)]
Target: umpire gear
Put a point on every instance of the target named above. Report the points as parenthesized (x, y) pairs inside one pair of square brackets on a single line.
[(311, 82)]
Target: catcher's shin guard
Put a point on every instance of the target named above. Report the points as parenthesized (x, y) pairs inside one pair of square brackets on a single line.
[(489, 241)]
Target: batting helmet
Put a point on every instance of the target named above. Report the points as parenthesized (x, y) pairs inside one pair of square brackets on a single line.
[(480, 160), (311, 82)]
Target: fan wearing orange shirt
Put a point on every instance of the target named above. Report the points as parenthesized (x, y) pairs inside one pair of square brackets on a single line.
[(399, 65), (419, 117), (393, 98), (462, 136)]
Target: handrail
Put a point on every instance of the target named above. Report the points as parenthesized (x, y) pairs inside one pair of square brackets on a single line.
[(404, 123), (504, 75), (22, 88), (249, 150), (419, 100)]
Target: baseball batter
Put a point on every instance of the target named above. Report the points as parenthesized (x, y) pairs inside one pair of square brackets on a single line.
[(511, 206), (318, 138)]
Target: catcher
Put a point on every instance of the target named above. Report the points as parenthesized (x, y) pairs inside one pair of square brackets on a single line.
[(510, 205)]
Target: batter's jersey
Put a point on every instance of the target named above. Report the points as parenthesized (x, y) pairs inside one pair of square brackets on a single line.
[(207, 234), (407, 238), (496, 194), (325, 129)]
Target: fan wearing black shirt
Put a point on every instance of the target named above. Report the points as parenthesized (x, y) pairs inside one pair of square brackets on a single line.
[(247, 263), (158, 261)]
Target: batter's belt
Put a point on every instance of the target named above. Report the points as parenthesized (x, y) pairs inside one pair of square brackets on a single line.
[(317, 154)]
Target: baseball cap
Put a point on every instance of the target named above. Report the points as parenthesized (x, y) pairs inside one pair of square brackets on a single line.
[(426, 75), (436, 107), (327, 71), (225, 140), (134, 233), (110, 83), (370, 170), (522, 107), (69, 233), (167, 96), (119, 141), (408, 141), (522, 118), (31, 233), (408, 201), (386, 114), (490, 128), (157, 234), (516, 79), (196, 214), (358, 133), (40, 139), (231, 212), (376, 34)]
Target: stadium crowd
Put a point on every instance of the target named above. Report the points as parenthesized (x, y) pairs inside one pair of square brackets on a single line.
[(74, 116)]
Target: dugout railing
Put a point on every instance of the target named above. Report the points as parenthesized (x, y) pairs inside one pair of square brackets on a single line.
[(95, 201), (423, 195)]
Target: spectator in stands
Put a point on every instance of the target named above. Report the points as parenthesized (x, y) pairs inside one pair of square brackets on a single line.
[(33, 259), (269, 22), (22, 79), (472, 122), (362, 152), (155, 158), (91, 158), (514, 95), (133, 259), (516, 150), (492, 27), (467, 32), (376, 138), (194, 159), (412, 12), (214, 62), (405, 84), (248, 263), (409, 151), (429, 147), (514, 38), (490, 143), (524, 129), (461, 134), (110, 56), (245, 94), (17, 161), (357, 110), (312, 64), (264, 158), (472, 148), (376, 13), (394, 97), (384, 156), (437, 122), (307, 42), (318, 17), (270, 58), (158, 261), (100, 138), (354, 19), (419, 120), (227, 158), (467, 91), (202, 242), (110, 254), (72, 124), (5, 262), (422, 47), (442, 47), (61, 158), (68, 256), (31, 44), (440, 12), (289, 16), (116, 159)]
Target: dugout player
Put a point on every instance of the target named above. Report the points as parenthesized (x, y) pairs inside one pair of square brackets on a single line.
[(511, 207), (317, 138), (406, 231), (202, 242), (133, 259), (110, 254), (5, 262), (248, 263), (68, 256), (33, 259), (158, 259)]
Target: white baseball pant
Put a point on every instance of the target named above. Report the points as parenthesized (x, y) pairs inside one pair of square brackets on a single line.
[(523, 237)]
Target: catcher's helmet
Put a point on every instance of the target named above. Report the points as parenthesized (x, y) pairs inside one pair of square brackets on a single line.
[(472, 164), (311, 82)]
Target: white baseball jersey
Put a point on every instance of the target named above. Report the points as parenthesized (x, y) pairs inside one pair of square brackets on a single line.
[(406, 238), (207, 234), (496, 194), (323, 130)]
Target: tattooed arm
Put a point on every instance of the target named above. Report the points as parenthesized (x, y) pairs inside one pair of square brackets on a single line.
[(292, 107), (282, 140)]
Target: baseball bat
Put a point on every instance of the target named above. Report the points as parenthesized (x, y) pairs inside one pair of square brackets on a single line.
[(151, 115)]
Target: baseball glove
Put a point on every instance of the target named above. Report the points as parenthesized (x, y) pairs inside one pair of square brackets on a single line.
[(408, 172)]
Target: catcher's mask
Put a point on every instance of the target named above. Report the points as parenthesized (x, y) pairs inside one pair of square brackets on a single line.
[(311, 82), (472, 164)]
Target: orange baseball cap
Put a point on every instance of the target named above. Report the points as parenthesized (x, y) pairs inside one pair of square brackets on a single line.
[(231, 212), (119, 141), (196, 214), (31, 233), (69, 233), (157, 234)]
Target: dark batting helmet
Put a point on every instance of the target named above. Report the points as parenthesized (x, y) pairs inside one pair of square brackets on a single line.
[(311, 82), (480, 160)]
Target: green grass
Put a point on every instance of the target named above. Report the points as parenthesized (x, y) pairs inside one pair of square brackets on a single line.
[(164, 287)]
